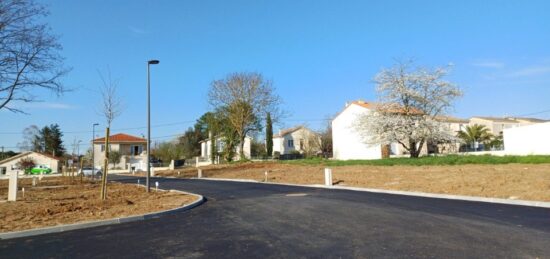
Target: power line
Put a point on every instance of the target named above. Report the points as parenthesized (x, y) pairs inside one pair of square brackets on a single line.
[(116, 129), (533, 113)]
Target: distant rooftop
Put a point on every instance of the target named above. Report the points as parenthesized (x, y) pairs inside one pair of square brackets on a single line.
[(121, 138)]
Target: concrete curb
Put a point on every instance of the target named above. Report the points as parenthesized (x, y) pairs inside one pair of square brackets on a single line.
[(90, 224), (540, 204)]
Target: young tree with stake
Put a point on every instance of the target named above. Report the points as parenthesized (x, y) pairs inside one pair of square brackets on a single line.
[(111, 109)]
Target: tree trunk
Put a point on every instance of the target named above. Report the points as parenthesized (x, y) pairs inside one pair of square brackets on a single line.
[(413, 149), (106, 166), (241, 151)]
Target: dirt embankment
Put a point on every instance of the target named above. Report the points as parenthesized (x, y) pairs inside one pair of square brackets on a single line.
[(509, 181), (59, 200)]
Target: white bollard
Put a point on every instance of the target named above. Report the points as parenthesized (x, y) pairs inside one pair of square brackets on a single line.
[(196, 161), (172, 165), (199, 173), (157, 186), (328, 177), (12, 190), (138, 182), (266, 176), (23, 189), (33, 181)]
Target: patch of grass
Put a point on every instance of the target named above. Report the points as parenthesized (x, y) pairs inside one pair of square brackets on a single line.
[(431, 160)]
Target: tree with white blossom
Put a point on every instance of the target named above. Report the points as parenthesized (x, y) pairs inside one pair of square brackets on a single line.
[(410, 99)]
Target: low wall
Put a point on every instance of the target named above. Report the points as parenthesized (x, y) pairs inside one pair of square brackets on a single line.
[(528, 140)]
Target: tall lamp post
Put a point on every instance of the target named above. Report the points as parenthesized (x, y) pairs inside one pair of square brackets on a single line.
[(93, 150), (149, 63)]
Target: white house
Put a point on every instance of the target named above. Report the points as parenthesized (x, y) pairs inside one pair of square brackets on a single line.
[(206, 146), (299, 139), (497, 125), (528, 140), (9, 165), (347, 143), (133, 150)]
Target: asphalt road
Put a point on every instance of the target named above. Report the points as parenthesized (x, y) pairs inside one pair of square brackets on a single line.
[(250, 220)]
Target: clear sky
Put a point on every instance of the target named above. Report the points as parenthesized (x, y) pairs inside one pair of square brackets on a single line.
[(319, 55)]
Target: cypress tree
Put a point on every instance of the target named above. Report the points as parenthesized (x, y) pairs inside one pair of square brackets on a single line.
[(269, 135)]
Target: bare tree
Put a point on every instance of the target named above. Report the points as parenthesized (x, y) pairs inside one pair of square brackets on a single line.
[(410, 100), (246, 97), (111, 105), (111, 108), (29, 54), (31, 139)]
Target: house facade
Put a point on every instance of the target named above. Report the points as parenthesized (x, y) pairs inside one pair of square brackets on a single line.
[(206, 147), (10, 165), (347, 142), (497, 125), (453, 126), (300, 139), (133, 151)]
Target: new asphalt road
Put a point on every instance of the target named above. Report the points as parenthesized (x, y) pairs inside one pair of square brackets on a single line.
[(251, 220)]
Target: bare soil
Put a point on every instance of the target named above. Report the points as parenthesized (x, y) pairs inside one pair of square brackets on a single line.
[(60, 200), (508, 181)]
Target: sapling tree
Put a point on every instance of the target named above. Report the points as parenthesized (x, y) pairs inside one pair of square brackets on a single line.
[(111, 108)]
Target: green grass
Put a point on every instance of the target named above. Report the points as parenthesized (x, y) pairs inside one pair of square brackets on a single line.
[(432, 160)]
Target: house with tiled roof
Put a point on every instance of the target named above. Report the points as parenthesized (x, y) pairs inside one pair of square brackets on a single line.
[(219, 146), (9, 165), (133, 151), (348, 143), (498, 124), (296, 139)]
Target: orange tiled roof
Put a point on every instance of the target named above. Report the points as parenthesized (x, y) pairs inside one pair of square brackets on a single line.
[(121, 138), (393, 108)]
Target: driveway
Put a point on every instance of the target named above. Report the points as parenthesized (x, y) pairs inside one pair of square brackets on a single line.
[(253, 220)]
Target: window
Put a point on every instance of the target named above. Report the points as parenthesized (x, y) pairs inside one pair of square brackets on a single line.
[(103, 147), (290, 143), (136, 150)]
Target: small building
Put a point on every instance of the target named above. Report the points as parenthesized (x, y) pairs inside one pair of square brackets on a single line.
[(453, 126), (497, 125), (9, 165), (300, 139), (350, 144), (206, 146), (528, 140), (133, 151), (347, 143)]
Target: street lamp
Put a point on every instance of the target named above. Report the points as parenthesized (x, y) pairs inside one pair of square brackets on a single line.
[(149, 63), (93, 150)]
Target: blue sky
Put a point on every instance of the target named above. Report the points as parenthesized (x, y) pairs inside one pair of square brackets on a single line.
[(319, 55)]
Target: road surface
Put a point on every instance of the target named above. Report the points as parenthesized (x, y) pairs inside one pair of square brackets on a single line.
[(252, 220)]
